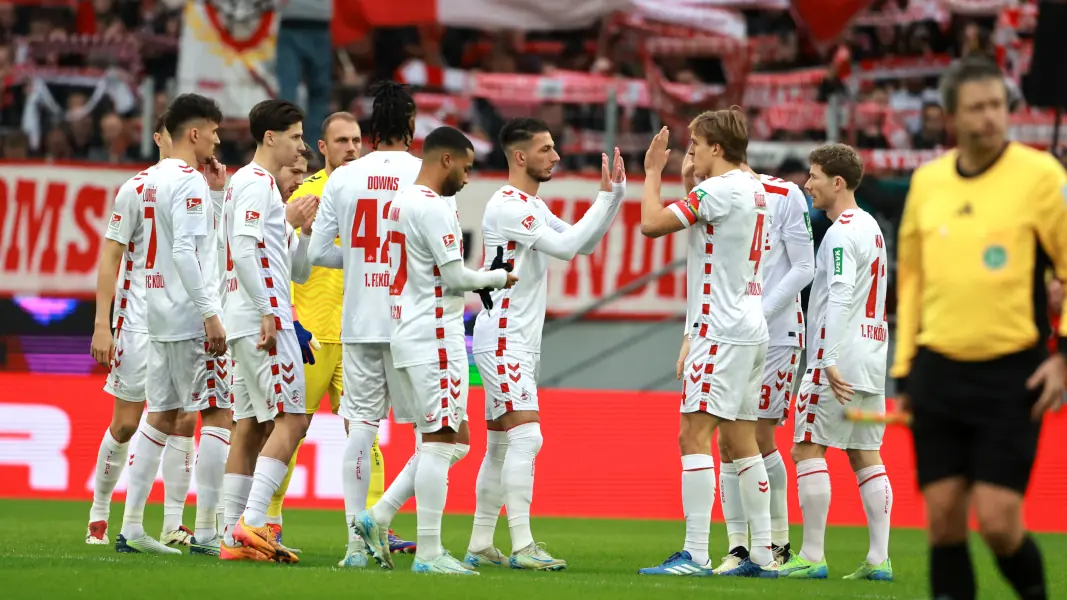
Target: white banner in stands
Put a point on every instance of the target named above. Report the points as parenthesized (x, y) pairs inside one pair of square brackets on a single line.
[(227, 53), (52, 220)]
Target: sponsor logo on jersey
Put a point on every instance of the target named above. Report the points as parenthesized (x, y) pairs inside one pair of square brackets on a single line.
[(252, 218), (694, 199), (839, 260), (116, 222), (807, 223), (529, 223), (449, 240), (995, 257), (194, 206)]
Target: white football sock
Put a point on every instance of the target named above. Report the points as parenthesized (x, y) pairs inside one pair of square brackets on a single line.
[(813, 486), (397, 494), (355, 474), (698, 498), (756, 497), (235, 491), (732, 509), (517, 478), (877, 496), (210, 470), (431, 493), (177, 475), (110, 460), (776, 474), (144, 464), (268, 478), (489, 491)]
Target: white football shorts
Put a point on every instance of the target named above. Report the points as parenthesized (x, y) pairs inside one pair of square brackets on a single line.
[(777, 387), (223, 375), (371, 384), (723, 379), (820, 418), (435, 394), (268, 382), (126, 380), (181, 375), (510, 381)]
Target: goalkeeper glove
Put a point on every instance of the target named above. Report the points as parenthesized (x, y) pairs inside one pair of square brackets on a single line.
[(498, 263), (307, 341)]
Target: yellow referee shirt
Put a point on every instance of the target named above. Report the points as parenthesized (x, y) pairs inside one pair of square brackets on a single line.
[(973, 253), (318, 302)]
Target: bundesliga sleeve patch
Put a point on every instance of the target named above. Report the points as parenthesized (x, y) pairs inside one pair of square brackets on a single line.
[(252, 218), (194, 206), (529, 223), (839, 259), (449, 240), (116, 222)]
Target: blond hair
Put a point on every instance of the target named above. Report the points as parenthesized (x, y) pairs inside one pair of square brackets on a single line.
[(728, 128)]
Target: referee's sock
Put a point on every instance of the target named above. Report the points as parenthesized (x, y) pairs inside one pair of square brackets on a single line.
[(1025, 571), (951, 572)]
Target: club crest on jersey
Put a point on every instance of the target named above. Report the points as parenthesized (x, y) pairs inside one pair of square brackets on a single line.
[(449, 240), (529, 223), (252, 218), (839, 261), (194, 206), (116, 222)]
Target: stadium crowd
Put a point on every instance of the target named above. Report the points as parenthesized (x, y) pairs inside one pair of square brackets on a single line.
[(70, 46)]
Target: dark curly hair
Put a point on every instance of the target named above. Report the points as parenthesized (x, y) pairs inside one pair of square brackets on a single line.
[(392, 116)]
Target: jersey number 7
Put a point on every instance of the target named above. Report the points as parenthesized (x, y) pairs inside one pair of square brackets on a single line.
[(366, 217), (150, 254)]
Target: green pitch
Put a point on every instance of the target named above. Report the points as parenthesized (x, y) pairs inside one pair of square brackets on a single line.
[(43, 555)]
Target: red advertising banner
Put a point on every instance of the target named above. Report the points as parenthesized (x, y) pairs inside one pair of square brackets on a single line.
[(606, 454)]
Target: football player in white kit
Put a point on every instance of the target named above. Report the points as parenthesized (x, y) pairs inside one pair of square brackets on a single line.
[(518, 229), (427, 281), (126, 353), (726, 344), (788, 267), (847, 352), (183, 317), (355, 203), (268, 387)]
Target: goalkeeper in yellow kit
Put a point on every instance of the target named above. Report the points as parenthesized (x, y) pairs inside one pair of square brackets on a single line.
[(318, 308)]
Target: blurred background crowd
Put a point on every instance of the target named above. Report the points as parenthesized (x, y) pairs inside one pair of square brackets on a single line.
[(80, 79)]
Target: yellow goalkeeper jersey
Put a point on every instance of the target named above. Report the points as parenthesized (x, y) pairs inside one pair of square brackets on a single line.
[(318, 302)]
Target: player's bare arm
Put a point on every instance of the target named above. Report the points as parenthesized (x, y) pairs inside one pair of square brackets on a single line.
[(103, 344), (1052, 234), (657, 220)]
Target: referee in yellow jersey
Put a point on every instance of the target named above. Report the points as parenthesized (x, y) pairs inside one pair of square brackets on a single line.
[(318, 307), (981, 226)]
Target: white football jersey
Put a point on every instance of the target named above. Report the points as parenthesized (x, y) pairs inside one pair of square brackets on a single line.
[(514, 221), (222, 255), (258, 212), (177, 203), (789, 221), (130, 312), (853, 256), (424, 234), (354, 206), (727, 218)]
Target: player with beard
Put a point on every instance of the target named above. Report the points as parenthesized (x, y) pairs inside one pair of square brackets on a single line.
[(427, 347), (518, 229)]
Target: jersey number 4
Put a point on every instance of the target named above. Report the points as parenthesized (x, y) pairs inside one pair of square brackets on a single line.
[(366, 218), (755, 253)]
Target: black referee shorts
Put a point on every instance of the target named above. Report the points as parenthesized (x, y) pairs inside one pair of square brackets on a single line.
[(972, 419)]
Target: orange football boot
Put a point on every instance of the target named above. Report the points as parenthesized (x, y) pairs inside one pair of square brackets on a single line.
[(244, 553), (262, 539)]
